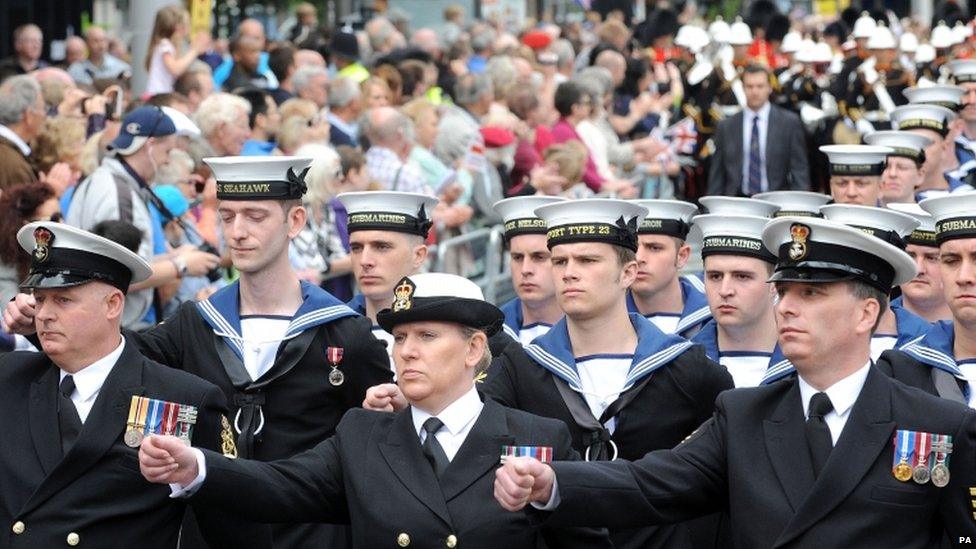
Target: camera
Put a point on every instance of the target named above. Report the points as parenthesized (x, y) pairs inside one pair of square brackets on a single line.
[(214, 274)]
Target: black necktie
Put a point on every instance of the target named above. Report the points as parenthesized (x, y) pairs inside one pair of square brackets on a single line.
[(755, 159), (818, 433), (68, 419), (432, 449)]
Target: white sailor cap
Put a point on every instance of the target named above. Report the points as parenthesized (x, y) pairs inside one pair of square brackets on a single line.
[(795, 203), (924, 234), (888, 225), (908, 42), (730, 234), (905, 144), (963, 70), (792, 42), (942, 95), (592, 220), (815, 52), (881, 39), (736, 205), (62, 256), (440, 297), (962, 32), (856, 160), (739, 33), (864, 26), (518, 214), (719, 30), (922, 117), (668, 217), (389, 211), (692, 37), (942, 36), (259, 177), (955, 215), (817, 250), (925, 53)]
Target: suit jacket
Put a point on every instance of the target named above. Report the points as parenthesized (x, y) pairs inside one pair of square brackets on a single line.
[(375, 467), (96, 491), (338, 137), (785, 155), (14, 166), (752, 459)]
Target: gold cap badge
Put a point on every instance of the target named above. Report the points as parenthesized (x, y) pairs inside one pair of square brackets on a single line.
[(799, 234), (403, 295)]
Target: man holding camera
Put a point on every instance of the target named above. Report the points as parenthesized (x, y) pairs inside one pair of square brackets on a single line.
[(119, 189)]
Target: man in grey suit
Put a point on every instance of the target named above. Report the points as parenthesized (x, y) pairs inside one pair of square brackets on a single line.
[(761, 148)]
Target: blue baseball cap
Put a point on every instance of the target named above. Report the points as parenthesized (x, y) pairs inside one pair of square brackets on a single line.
[(138, 126), (172, 198)]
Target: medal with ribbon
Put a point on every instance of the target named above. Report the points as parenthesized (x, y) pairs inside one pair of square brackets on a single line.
[(136, 422), (923, 449), (942, 447), (334, 356), (149, 416), (904, 446), (541, 453)]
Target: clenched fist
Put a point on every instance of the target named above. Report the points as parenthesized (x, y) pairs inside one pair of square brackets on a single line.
[(167, 460), (384, 398), (523, 480)]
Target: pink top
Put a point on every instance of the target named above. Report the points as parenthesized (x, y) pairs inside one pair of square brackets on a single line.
[(563, 131)]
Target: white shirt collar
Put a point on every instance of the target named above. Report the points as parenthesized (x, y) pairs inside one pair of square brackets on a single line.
[(762, 113), (842, 394), (89, 380), (15, 139), (456, 416)]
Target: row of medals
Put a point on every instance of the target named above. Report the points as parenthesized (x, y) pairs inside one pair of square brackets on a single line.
[(938, 473)]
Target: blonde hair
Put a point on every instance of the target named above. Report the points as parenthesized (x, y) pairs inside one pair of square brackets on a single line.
[(571, 159), (292, 133), (167, 19), (62, 139), (417, 108), (295, 106)]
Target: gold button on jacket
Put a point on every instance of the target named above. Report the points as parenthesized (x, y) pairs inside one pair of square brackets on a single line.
[(403, 540), (73, 539), (19, 527), (451, 541)]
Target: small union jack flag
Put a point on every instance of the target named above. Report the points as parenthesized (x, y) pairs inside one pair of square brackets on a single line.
[(682, 136)]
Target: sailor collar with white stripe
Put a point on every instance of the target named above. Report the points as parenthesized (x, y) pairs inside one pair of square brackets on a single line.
[(514, 323), (222, 312), (695, 311), (707, 337), (554, 352), (934, 349)]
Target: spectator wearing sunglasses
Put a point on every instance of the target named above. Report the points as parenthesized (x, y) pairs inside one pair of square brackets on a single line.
[(21, 204)]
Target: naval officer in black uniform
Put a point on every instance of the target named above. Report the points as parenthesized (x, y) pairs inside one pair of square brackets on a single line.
[(418, 478), (839, 456), (289, 356), (69, 472)]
